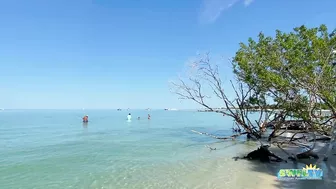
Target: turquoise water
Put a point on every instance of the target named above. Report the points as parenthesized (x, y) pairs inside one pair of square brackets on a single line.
[(53, 149)]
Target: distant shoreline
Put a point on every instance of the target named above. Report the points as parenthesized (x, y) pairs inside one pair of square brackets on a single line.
[(140, 109), (257, 109)]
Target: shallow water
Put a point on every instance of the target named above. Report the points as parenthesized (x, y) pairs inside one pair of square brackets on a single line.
[(53, 149)]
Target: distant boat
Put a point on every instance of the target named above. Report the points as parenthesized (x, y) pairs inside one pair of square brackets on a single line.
[(171, 109), (118, 109), (148, 109)]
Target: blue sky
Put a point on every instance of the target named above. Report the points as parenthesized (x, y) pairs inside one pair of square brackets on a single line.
[(120, 54)]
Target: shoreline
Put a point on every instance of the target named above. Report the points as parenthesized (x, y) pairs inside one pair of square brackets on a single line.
[(158, 154), (252, 109), (217, 169), (265, 174)]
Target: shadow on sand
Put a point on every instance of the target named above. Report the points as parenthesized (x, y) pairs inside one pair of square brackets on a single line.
[(272, 169)]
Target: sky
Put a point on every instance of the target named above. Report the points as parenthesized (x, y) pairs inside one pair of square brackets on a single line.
[(103, 54)]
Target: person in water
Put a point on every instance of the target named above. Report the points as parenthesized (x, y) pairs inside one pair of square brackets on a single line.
[(138, 118), (149, 116), (129, 117), (86, 119)]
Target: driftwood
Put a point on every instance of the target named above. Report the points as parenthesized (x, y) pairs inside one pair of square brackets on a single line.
[(307, 155), (263, 154), (232, 137), (324, 138), (290, 125)]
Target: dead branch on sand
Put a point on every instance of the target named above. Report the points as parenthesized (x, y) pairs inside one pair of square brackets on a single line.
[(232, 137)]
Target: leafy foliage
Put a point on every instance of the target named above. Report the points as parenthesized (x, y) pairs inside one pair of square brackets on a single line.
[(293, 69), (291, 73)]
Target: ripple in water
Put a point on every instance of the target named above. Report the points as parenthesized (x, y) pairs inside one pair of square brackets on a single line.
[(110, 153)]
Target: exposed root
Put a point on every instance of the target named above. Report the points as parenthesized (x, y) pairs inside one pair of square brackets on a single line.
[(232, 137), (263, 154)]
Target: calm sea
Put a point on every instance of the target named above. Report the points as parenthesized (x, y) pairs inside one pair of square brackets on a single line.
[(47, 149)]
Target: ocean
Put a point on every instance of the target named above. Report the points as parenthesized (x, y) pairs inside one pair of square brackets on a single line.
[(53, 149)]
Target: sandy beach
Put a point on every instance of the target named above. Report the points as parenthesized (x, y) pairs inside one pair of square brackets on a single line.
[(265, 173), (244, 174)]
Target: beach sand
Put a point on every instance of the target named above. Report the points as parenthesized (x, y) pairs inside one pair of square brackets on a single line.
[(263, 175), (266, 171), (224, 172)]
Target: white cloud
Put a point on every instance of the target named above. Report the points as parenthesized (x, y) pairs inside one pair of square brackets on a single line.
[(248, 2), (212, 9)]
